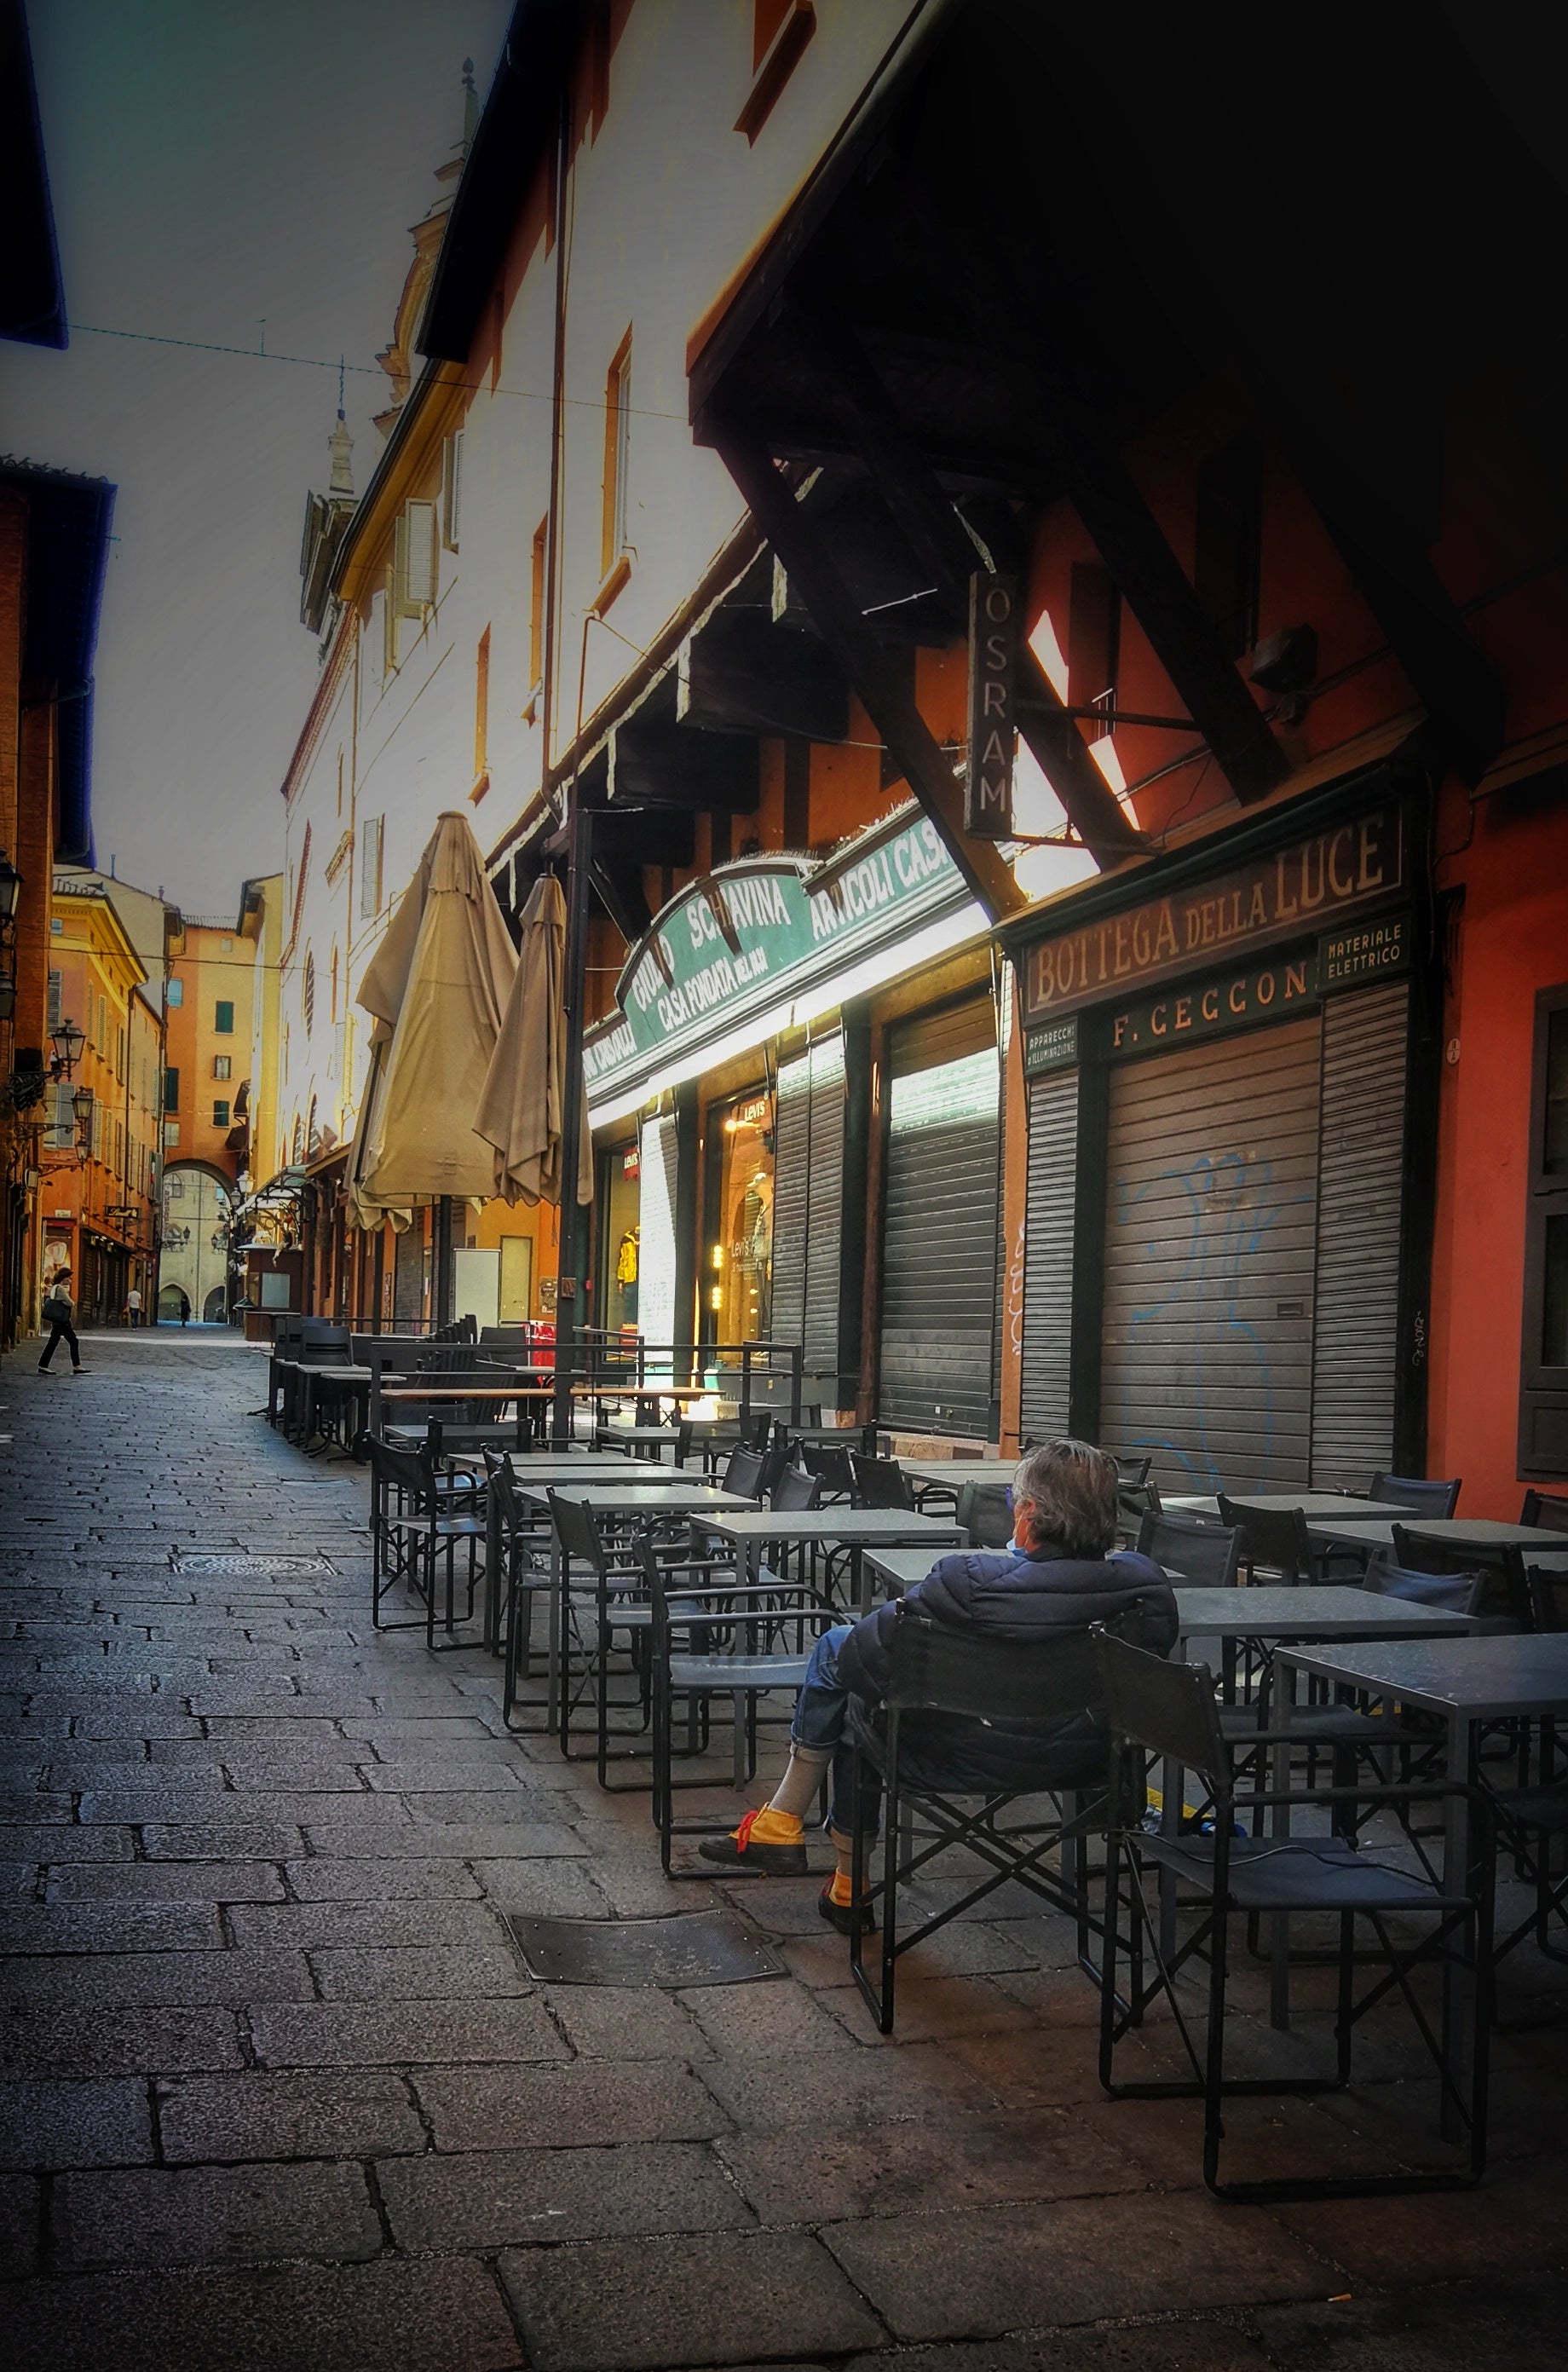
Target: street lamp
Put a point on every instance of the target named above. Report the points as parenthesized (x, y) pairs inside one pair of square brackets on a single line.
[(67, 1042), (82, 1104), (10, 889)]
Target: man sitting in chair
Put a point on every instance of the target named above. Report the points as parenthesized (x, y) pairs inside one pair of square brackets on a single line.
[(1060, 1575)]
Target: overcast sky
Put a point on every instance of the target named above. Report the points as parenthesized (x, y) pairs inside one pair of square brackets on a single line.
[(215, 164)]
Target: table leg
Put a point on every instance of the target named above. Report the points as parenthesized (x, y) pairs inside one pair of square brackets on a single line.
[(555, 1651), (492, 1575), (1457, 1875), (1279, 1826)]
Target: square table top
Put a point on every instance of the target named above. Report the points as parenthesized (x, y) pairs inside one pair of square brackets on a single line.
[(856, 1527), (1482, 1678), (1308, 1611), (553, 1471), (634, 1499), (959, 1469), (1480, 1532), (1321, 1505), (900, 1569)]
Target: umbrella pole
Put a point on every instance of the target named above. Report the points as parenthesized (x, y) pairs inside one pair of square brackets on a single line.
[(571, 1290), (444, 1262)]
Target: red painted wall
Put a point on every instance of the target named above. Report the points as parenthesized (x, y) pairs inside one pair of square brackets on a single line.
[(1513, 940)]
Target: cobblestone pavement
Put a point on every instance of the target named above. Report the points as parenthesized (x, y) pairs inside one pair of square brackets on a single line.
[(278, 2092)]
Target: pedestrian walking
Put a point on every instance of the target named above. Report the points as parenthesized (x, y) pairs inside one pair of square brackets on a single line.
[(58, 1311), (184, 1305), (132, 1308)]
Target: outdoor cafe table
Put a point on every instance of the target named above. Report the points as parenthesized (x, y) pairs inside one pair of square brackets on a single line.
[(1516, 1677), (899, 1569), (553, 1469), (1318, 1506), (856, 1528), (1449, 1531), (950, 1475)]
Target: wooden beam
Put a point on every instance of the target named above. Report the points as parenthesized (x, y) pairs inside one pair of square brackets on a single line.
[(800, 545), (943, 544), (656, 763), (741, 674), (995, 298)]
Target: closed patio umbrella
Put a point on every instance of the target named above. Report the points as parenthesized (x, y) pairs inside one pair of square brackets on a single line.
[(522, 1107), (436, 991)]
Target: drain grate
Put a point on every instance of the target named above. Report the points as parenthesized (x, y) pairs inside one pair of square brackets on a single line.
[(703, 1947), (188, 1561)]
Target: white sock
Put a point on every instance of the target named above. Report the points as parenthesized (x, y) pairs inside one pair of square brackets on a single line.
[(797, 1791)]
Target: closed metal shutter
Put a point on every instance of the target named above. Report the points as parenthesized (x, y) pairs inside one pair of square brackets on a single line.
[(1211, 1233), (808, 1180), (940, 1223), (1048, 1252), (408, 1272), (1360, 1192), (655, 1247)]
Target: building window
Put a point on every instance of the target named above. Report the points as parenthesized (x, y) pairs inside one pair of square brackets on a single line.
[(481, 708), (536, 608), (309, 995), (413, 561), (617, 448), (221, 1066), (370, 866), (1543, 1366), (451, 488), (1227, 546), (1094, 643), (171, 1091), (220, 1113), (223, 1022), (177, 991), (57, 924), (780, 30), (171, 1132), (56, 988)]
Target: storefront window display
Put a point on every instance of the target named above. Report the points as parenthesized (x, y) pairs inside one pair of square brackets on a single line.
[(738, 1266), (620, 1201)]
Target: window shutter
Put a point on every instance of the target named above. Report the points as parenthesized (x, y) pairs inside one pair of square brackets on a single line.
[(419, 579), (451, 489), (54, 1001), (370, 866)]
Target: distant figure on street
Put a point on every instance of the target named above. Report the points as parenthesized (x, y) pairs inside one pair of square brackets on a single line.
[(132, 1308), (184, 1306), (57, 1313)]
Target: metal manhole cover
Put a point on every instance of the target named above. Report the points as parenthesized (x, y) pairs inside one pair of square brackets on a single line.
[(204, 1563), (705, 1948)]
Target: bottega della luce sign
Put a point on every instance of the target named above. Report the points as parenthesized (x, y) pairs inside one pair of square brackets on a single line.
[(1288, 894)]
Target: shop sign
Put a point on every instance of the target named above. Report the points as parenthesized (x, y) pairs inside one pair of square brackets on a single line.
[(1205, 1008), (1053, 1046), (632, 1162), (752, 935), (993, 659), (1279, 896), (1375, 951)]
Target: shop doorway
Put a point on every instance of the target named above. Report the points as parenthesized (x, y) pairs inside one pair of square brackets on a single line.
[(620, 1238), (738, 1242)]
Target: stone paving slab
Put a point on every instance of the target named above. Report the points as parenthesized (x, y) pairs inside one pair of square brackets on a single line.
[(276, 2092)]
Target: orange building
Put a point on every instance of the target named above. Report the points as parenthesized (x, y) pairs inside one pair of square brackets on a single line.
[(207, 1060)]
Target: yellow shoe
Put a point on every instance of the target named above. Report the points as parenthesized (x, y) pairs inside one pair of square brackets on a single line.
[(772, 1843)]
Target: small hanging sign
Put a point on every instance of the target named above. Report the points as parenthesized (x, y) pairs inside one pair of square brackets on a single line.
[(994, 654)]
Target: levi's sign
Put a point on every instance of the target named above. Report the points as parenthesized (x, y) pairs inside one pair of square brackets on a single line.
[(993, 656), (1283, 895), (754, 934)]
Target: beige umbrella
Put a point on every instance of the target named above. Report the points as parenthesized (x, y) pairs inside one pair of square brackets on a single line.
[(436, 991), (522, 1108)]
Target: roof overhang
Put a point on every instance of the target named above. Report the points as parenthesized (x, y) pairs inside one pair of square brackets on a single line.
[(32, 296)]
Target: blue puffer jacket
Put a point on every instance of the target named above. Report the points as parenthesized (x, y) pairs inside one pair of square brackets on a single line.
[(1007, 1598)]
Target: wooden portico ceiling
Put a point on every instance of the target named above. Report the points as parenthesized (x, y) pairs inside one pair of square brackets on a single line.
[(959, 323)]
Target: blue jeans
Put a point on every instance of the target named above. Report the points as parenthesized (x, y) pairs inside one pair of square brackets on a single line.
[(820, 1714)]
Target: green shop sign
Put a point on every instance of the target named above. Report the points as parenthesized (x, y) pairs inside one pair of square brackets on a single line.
[(751, 935)]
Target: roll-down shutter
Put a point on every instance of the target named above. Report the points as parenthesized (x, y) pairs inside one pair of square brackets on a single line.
[(1360, 1193), (1211, 1209), (808, 1169), (1048, 1252), (940, 1222)]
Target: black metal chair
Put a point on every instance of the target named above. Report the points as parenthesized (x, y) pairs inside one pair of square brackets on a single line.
[(1168, 1710), (523, 1543), (880, 1483), (411, 1531), (1202, 1556), (832, 1464), (985, 1510), (950, 1697), (1546, 1510), (794, 1491), (1435, 1501), (1131, 1472), (1273, 1540), (616, 1600), (1505, 1598), (743, 1473), (1452, 1593), (716, 1637)]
